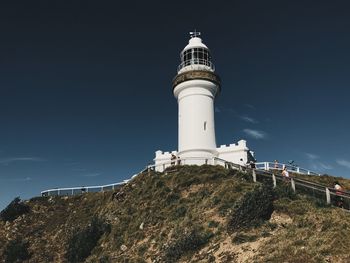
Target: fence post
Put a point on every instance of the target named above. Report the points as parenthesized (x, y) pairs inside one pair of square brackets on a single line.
[(268, 166), (254, 175), (298, 170), (274, 180), (293, 184), (328, 196)]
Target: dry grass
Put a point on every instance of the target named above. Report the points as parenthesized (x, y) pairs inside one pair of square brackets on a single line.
[(158, 211)]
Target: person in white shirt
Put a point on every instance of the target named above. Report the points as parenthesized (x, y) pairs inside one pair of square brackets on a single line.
[(285, 173)]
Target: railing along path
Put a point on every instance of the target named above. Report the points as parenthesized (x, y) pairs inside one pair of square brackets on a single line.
[(262, 171)]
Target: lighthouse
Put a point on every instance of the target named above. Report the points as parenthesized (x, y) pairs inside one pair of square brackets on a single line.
[(195, 87)]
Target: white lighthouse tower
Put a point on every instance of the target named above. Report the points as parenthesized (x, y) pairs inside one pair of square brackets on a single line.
[(195, 88)]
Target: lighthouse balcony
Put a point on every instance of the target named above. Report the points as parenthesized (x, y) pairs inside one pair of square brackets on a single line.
[(196, 64)]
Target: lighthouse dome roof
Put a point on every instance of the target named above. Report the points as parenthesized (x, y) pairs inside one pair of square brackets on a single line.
[(195, 42)]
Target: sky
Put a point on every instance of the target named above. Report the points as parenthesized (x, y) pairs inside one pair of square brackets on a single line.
[(86, 86)]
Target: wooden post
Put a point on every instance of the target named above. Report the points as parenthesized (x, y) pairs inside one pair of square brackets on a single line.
[(254, 175), (293, 184), (328, 196), (274, 180)]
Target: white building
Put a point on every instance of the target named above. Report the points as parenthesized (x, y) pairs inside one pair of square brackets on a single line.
[(195, 87)]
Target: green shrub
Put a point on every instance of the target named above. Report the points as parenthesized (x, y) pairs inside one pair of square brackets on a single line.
[(16, 251), (180, 212), (185, 244), (15, 209), (241, 238), (213, 224), (253, 208), (83, 241), (284, 190)]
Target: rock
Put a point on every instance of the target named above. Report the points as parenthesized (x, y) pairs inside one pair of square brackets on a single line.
[(123, 248), (141, 226)]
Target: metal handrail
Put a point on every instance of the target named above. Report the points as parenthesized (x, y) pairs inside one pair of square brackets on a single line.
[(330, 191), (280, 166)]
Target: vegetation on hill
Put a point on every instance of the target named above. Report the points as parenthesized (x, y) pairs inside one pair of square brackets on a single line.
[(191, 214)]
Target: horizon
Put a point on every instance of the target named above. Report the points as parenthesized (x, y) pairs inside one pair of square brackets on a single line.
[(86, 94)]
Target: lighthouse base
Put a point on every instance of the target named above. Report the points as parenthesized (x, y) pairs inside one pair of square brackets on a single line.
[(235, 153)]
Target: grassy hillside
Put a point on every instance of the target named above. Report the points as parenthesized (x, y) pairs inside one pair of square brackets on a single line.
[(195, 214)]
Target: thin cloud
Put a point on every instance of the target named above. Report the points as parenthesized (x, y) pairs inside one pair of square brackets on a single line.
[(319, 166), (10, 160), (255, 134), (344, 163), (250, 106), (91, 174), (248, 119), (224, 110), (25, 179), (79, 169), (312, 156)]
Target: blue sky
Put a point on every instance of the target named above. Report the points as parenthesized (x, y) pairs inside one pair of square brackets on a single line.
[(86, 98)]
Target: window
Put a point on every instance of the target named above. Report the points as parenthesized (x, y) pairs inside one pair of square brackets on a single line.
[(196, 56)]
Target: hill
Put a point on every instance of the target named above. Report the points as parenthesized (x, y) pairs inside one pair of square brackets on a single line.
[(192, 214)]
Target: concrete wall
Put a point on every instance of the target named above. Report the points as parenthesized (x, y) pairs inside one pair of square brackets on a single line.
[(236, 153)]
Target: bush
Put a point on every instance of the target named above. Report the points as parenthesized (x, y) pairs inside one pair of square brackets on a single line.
[(253, 208), (15, 209), (241, 238), (82, 242), (16, 251), (284, 190), (186, 243)]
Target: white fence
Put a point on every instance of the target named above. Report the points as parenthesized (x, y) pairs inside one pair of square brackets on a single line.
[(165, 165), (280, 166)]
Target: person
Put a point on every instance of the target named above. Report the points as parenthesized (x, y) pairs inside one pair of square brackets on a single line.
[(252, 165), (285, 173), (339, 192), (276, 164), (173, 158), (178, 160)]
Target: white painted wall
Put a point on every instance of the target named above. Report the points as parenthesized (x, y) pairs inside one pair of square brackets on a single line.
[(196, 126), (231, 153), (235, 153)]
